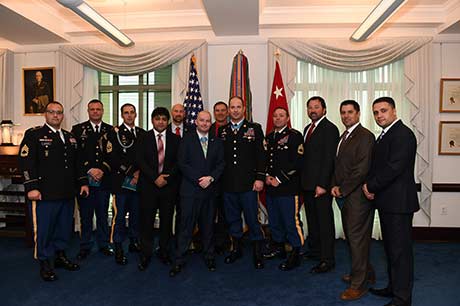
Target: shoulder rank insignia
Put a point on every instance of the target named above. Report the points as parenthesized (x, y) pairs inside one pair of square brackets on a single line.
[(300, 149), (24, 151), (109, 147)]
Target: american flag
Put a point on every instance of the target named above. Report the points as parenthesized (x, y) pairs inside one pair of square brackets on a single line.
[(193, 103)]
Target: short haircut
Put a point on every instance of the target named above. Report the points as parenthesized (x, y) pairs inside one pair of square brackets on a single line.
[(283, 108), (389, 100), (126, 105), (236, 97), (205, 112), (160, 111), (54, 102), (350, 102), (321, 100), (95, 101), (220, 103)]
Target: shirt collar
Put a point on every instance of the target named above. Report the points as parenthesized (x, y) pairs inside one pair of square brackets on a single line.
[(156, 133), (319, 120), (239, 123), (202, 135), (385, 130), (280, 131), (352, 128), (94, 125), (52, 128)]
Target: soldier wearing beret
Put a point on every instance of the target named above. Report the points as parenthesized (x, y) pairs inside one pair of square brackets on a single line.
[(52, 178), (90, 159), (121, 155), (243, 178), (285, 150)]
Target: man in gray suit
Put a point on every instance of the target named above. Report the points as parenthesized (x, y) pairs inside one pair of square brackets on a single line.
[(351, 167)]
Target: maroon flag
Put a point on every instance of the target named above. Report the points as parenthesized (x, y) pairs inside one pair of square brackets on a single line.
[(277, 98)]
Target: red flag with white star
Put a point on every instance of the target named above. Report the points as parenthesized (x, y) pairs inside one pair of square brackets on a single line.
[(277, 98)]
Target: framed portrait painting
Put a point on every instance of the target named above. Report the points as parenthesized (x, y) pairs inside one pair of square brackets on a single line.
[(38, 89), (450, 96), (449, 138)]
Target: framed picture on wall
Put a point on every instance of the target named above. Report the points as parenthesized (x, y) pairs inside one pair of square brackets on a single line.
[(38, 86), (449, 138), (450, 96)]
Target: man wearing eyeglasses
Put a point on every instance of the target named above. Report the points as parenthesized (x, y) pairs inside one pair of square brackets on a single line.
[(47, 158)]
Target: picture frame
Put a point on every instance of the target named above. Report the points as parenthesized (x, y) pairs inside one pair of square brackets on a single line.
[(449, 98), (449, 138), (39, 88)]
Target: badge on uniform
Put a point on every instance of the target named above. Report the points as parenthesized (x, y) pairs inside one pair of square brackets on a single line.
[(300, 149), (265, 145), (25, 151), (109, 147)]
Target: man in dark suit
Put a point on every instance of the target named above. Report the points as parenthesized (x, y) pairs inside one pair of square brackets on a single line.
[(157, 159), (221, 236), (351, 167), (201, 162), (391, 185), (243, 178), (177, 125), (120, 154), (90, 159), (47, 157), (320, 144)]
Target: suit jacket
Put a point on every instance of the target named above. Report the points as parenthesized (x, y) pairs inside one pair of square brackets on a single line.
[(353, 161), (319, 156), (193, 164), (391, 176), (49, 165), (90, 149), (244, 156), (120, 152), (147, 160)]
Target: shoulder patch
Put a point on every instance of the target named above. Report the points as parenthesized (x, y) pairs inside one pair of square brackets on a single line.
[(300, 149), (24, 151), (109, 147)]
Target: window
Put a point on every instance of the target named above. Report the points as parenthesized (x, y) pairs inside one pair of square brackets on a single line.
[(334, 87), (145, 91)]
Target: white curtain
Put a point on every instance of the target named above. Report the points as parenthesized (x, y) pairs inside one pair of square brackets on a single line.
[(6, 79), (69, 89), (418, 72), (140, 59), (345, 55)]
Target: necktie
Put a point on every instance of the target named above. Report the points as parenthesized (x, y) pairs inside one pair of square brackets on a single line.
[(58, 134), (177, 131), (380, 136), (342, 140), (310, 131), (96, 127), (204, 145), (132, 132), (161, 154)]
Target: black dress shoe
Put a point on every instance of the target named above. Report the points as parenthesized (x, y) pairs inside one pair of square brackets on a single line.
[(276, 250), (62, 261), (322, 267), (83, 254), (292, 262), (134, 247), (46, 271), (144, 263), (233, 256), (211, 264), (176, 269), (384, 292), (219, 249), (107, 251), (164, 258), (120, 257)]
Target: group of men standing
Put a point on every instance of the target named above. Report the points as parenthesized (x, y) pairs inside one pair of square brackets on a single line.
[(218, 171)]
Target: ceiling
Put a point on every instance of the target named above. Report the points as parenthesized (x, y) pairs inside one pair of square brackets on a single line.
[(31, 22)]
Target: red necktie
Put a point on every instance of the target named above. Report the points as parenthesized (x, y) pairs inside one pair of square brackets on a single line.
[(310, 131), (177, 131), (161, 154)]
